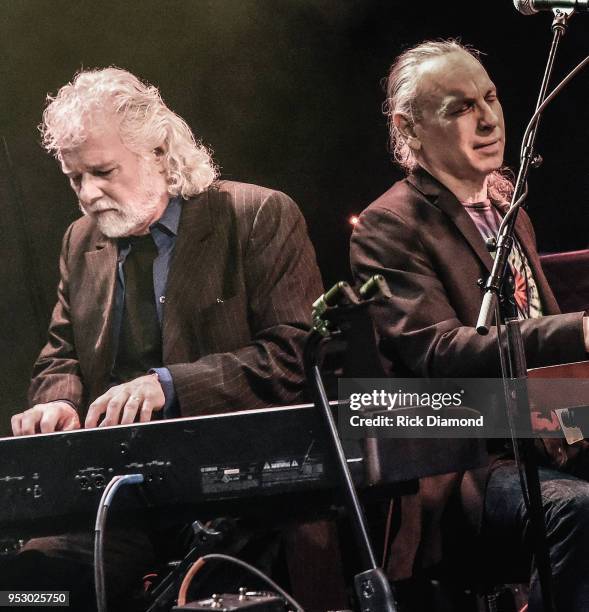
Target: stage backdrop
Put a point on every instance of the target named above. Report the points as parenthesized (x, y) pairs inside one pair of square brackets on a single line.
[(288, 95)]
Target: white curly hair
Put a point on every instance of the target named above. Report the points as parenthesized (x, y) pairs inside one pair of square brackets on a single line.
[(145, 124)]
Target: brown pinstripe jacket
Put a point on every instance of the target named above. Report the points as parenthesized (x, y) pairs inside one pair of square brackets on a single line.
[(421, 239), (238, 306)]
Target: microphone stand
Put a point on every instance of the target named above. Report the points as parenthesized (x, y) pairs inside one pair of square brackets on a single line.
[(529, 159), (497, 291), (371, 586)]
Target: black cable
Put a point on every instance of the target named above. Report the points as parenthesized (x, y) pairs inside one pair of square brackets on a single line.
[(511, 211), (258, 573), (549, 99), (107, 496)]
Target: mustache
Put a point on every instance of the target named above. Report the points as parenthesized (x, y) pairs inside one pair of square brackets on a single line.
[(98, 206)]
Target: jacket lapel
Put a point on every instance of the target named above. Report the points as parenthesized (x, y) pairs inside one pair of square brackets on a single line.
[(446, 201), (101, 264), (186, 274)]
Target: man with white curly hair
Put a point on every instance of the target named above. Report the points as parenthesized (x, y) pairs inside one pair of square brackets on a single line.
[(179, 295), (221, 325)]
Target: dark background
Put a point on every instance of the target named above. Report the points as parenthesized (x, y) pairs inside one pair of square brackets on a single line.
[(286, 92)]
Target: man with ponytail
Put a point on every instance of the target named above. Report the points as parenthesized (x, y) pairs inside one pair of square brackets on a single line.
[(427, 235)]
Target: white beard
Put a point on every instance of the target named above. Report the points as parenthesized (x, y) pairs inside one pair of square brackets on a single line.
[(120, 220)]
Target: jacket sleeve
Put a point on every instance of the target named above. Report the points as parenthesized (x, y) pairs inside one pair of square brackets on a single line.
[(282, 281), (56, 373), (419, 330)]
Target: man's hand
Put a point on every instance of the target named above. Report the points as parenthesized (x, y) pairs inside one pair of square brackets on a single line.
[(45, 418), (122, 403)]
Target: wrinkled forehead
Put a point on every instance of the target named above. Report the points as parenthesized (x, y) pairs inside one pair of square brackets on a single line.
[(451, 76), (84, 125), (102, 144)]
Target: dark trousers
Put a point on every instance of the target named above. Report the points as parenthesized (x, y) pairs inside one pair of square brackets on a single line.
[(506, 533), (64, 563)]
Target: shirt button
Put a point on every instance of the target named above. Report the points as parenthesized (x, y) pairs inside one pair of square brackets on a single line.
[(162, 299)]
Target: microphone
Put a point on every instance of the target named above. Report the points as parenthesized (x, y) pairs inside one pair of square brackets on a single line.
[(531, 7)]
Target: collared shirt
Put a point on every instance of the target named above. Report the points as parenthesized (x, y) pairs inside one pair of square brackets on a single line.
[(164, 233)]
